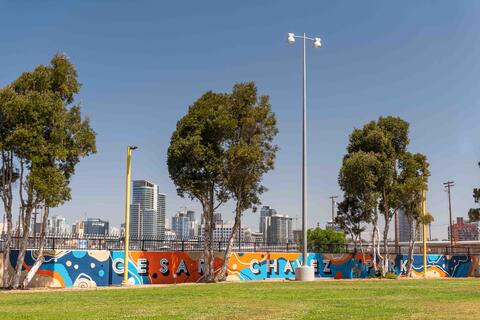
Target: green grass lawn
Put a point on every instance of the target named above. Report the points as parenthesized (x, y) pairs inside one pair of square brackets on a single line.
[(356, 299)]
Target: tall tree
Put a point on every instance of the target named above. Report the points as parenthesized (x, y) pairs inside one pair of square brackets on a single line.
[(250, 153), (358, 179), (46, 139), (413, 182), (387, 140), (474, 213), (220, 150), (196, 161), (9, 100)]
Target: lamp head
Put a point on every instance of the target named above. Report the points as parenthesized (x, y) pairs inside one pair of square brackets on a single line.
[(317, 43), (133, 147), (291, 38)]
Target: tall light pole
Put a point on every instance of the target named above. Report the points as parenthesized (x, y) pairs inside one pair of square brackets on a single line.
[(127, 215), (304, 272), (448, 185)]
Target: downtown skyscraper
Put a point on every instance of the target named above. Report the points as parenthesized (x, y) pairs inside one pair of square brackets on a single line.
[(147, 211)]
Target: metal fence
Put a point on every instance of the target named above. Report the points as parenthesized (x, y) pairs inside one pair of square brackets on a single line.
[(440, 248), (116, 242), (99, 242)]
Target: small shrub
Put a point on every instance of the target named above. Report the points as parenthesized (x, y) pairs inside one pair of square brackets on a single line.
[(390, 275)]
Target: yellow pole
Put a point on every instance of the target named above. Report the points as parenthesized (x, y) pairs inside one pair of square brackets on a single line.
[(127, 216), (424, 209)]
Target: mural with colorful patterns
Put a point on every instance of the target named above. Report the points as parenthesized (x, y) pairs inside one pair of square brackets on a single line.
[(79, 268)]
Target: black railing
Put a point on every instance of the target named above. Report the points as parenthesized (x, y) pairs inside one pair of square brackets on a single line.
[(443, 248), (117, 242)]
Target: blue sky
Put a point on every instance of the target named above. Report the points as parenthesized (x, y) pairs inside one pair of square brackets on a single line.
[(143, 63)]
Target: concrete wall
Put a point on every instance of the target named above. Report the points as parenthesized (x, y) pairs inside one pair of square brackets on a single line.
[(67, 268)]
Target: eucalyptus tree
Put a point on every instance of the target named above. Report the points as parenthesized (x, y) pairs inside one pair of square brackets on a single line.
[(196, 161), (358, 179), (9, 171), (413, 182), (386, 139), (220, 150), (250, 153), (45, 139)]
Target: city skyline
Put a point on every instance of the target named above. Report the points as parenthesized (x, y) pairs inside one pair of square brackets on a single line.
[(368, 68)]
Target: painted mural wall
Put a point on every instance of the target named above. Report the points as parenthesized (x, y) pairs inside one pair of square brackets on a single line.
[(81, 268)]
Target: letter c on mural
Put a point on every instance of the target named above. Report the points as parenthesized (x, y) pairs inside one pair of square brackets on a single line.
[(254, 263)]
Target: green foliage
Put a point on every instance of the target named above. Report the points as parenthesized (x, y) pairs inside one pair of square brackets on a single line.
[(351, 217), (220, 150), (42, 138), (250, 152), (412, 182), (46, 135), (474, 213), (196, 155), (325, 240)]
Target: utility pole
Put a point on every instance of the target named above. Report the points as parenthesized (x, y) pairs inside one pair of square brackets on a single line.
[(333, 208), (448, 185)]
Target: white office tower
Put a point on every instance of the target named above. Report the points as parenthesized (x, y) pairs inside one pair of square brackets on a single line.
[(280, 229), (184, 224), (147, 211), (222, 232), (57, 224)]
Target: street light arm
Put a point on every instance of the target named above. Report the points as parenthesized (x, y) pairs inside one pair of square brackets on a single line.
[(302, 37)]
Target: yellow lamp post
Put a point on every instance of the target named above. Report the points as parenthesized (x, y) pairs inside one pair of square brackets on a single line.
[(127, 215), (424, 212)]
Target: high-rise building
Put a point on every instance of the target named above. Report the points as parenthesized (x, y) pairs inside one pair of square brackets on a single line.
[(222, 232), (78, 228), (405, 228), (184, 224), (57, 224), (464, 231), (280, 229), (147, 211), (95, 226), (265, 216), (181, 225)]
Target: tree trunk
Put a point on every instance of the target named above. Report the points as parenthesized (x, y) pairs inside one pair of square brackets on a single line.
[(222, 275), (374, 246), (208, 254), (7, 196), (206, 241), (21, 256), (6, 252), (411, 246), (40, 258), (26, 217), (397, 247), (385, 247), (377, 241)]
